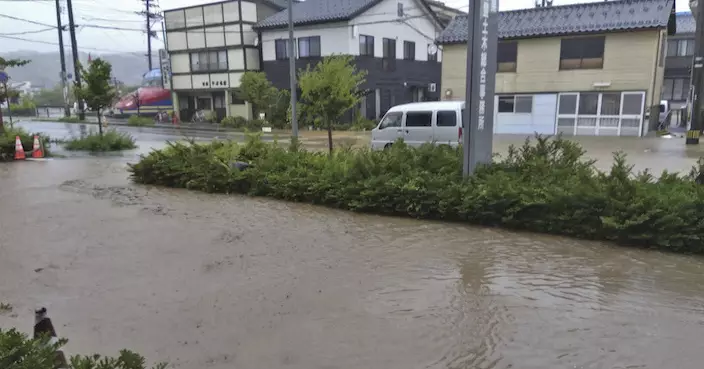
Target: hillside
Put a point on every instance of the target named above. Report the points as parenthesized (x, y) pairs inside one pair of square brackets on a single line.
[(44, 69)]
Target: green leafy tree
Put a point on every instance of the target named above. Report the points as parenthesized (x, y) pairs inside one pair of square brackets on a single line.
[(255, 88), (330, 89), (6, 93), (96, 88), (53, 96)]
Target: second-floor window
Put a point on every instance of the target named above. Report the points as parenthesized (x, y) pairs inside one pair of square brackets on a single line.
[(582, 52), (308, 47), (366, 45), (507, 56), (680, 47), (389, 60), (675, 89), (409, 50), (281, 47), (208, 61)]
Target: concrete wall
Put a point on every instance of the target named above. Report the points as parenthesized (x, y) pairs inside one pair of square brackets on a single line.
[(630, 64)]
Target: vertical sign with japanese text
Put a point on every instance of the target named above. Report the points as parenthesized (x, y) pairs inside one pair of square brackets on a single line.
[(165, 64), (478, 122)]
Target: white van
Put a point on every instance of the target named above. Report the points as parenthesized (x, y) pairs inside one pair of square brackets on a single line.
[(418, 123)]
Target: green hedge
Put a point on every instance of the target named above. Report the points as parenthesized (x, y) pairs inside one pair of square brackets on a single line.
[(7, 143), (111, 140), (136, 121), (544, 186)]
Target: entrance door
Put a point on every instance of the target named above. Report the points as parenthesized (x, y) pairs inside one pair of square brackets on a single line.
[(205, 103)]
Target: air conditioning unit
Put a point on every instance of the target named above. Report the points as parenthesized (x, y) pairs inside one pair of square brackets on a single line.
[(432, 87)]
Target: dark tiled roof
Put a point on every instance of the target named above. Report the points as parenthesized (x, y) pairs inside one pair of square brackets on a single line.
[(570, 19), (318, 11), (685, 23), (321, 11)]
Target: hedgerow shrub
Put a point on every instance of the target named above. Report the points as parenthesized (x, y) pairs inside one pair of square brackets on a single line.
[(546, 185), (136, 121), (18, 351), (109, 141)]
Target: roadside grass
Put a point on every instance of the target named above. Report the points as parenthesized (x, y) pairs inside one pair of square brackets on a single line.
[(135, 121), (7, 142), (109, 141)]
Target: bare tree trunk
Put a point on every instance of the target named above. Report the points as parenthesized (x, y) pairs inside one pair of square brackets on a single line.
[(100, 124), (329, 135), (2, 123)]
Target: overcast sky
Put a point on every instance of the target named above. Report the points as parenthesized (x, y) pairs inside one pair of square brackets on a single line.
[(121, 14)]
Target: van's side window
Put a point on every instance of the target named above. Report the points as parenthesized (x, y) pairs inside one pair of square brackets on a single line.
[(419, 119), (391, 120), (447, 118)]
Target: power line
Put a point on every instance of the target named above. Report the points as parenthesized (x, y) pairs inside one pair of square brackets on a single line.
[(27, 20), (113, 51), (28, 32)]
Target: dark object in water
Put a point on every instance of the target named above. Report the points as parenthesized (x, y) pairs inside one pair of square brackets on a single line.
[(239, 165)]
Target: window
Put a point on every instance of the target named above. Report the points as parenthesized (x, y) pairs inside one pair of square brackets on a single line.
[(506, 56), (447, 118), (432, 56), (632, 104), (391, 120), (281, 46), (675, 89), (409, 50), (582, 53), (611, 103), (366, 45), (309, 47), (567, 104), (419, 119), (685, 47), (236, 97), (389, 60), (207, 61), (516, 104), (588, 103)]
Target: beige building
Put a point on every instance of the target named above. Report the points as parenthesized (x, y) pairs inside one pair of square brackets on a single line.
[(582, 69)]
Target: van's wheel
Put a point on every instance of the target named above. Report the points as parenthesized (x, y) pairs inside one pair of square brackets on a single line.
[(387, 146)]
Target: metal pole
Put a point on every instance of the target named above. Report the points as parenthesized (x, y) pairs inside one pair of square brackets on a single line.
[(478, 126), (292, 71), (76, 63), (149, 37), (62, 56), (698, 82)]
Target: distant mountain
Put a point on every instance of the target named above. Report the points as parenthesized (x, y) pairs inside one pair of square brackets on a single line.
[(44, 69)]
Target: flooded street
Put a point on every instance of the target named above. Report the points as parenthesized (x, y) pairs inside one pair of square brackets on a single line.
[(208, 281)]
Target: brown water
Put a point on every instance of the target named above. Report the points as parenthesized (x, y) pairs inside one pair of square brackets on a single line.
[(226, 282)]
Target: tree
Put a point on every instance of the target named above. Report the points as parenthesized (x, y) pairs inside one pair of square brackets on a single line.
[(6, 93), (255, 88), (330, 89), (96, 89), (53, 96)]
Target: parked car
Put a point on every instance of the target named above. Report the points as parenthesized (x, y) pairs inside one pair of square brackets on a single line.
[(437, 122)]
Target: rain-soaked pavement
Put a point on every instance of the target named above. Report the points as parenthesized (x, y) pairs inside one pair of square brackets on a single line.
[(209, 281)]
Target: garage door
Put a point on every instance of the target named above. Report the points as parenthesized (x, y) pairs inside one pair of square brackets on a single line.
[(525, 114)]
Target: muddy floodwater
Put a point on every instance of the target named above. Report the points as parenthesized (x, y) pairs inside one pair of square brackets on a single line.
[(223, 282)]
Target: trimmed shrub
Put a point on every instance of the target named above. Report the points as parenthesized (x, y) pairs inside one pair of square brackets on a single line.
[(18, 351), (110, 141), (70, 120), (7, 142), (544, 186), (135, 121), (242, 123)]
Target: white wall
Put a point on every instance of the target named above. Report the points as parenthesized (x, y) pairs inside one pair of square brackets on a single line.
[(334, 39), (379, 21), (382, 21)]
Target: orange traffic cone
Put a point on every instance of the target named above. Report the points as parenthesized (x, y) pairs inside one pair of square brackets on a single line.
[(37, 151), (19, 150), (44, 328)]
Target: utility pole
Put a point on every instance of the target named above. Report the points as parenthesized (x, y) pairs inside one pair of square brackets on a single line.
[(292, 71), (151, 17), (696, 117), (67, 109), (76, 62)]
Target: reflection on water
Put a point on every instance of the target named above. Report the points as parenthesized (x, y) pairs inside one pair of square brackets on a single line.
[(226, 281)]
